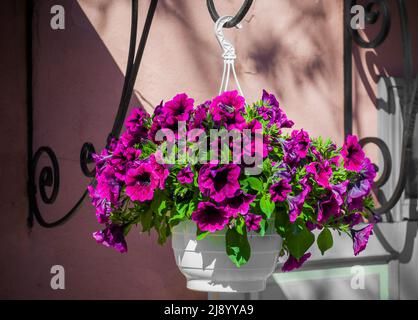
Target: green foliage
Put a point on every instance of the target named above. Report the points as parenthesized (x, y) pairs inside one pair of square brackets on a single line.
[(299, 239), (324, 240), (237, 246)]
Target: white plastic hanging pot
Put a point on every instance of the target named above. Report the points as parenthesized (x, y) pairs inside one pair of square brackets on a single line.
[(208, 268)]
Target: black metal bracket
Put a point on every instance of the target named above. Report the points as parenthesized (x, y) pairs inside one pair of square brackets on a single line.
[(378, 10), (49, 177)]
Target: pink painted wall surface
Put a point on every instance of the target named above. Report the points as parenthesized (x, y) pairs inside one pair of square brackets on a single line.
[(292, 48)]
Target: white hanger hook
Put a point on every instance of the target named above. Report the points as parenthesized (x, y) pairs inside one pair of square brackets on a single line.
[(228, 54)]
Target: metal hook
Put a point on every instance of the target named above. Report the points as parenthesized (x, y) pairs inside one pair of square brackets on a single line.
[(228, 54)]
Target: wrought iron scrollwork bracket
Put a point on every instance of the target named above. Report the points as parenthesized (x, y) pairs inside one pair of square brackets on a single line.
[(49, 177), (377, 10)]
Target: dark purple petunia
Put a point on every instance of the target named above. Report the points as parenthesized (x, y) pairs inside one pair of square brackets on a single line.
[(353, 219), (357, 193), (141, 182), (293, 263), (185, 176), (108, 186), (296, 148), (361, 238), (296, 202), (219, 183), (123, 158), (239, 203), (271, 111), (352, 154), (226, 110), (112, 236), (340, 191), (328, 208), (280, 190), (200, 115), (103, 206), (210, 217), (252, 221), (135, 123)]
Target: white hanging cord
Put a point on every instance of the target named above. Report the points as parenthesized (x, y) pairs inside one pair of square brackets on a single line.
[(228, 55)]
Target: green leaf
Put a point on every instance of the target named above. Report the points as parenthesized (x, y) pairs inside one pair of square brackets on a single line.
[(299, 240), (237, 247), (325, 240), (200, 235), (267, 206), (240, 225), (127, 228), (147, 220), (280, 222), (254, 183), (263, 227)]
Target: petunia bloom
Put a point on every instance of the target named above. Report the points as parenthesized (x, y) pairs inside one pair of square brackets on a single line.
[(353, 154), (321, 171), (185, 176), (210, 217), (141, 182), (226, 110), (361, 238), (280, 190), (252, 221), (112, 236), (219, 183), (239, 203), (271, 111), (292, 263)]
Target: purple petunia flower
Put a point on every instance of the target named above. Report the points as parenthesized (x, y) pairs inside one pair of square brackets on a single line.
[(353, 219), (179, 108), (107, 185), (252, 221), (328, 208), (272, 112), (296, 148), (210, 217), (293, 263), (321, 172), (141, 182), (219, 183), (112, 236), (226, 110), (361, 238), (340, 191), (357, 193), (200, 115), (103, 206), (135, 123), (353, 154), (280, 190), (296, 202), (239, 203), (185, 176)]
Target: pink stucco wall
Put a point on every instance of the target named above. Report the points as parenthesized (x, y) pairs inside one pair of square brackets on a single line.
[(292, 48)]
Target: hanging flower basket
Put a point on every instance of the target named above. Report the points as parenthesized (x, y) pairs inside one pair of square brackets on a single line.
[(232, 184), (233, 201)]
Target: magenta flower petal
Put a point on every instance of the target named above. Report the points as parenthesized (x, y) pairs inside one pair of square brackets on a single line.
[(293, 263), (210, 217), (219, 183), (361, 238), (185, 176), (280, 190), (353, 154), (252, 221), (112, 236)]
